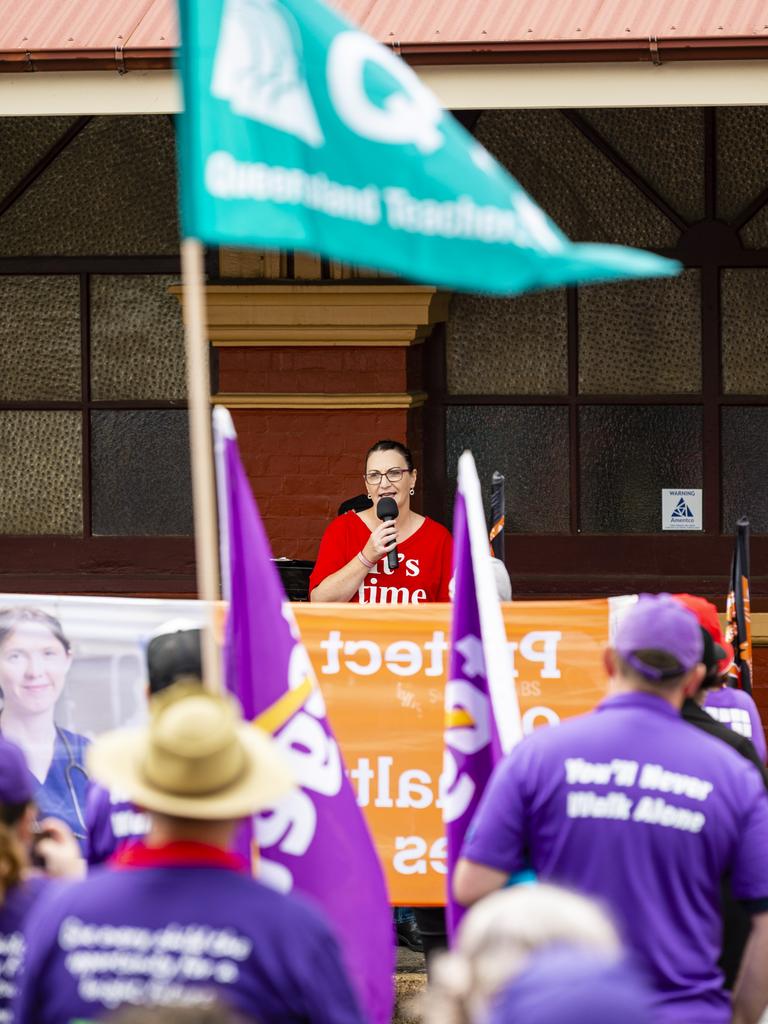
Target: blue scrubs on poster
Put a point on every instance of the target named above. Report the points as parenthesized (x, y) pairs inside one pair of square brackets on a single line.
[(63, 794)]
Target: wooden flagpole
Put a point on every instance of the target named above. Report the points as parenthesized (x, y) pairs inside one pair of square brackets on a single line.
[(201, 449)]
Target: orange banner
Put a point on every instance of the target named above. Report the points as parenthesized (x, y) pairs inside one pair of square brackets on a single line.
[(382, 670)]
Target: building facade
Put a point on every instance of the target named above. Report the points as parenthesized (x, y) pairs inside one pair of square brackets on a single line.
[(589, 400)]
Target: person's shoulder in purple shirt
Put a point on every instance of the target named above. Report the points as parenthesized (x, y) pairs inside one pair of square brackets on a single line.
[(180, 924), (111, 821), (738, 711)]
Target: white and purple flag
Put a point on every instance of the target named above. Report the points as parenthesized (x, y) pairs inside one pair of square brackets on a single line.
[(315, 842), (482, 716)]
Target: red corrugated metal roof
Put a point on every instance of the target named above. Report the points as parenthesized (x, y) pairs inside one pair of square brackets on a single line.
[(559, 20), (48, 34)]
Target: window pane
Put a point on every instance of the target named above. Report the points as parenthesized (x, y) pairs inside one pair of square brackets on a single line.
[(744, 467), (508, 346), (641, 337), (745, 331), (111, 192), (137, 338), (41, 456), (675, 171), (572, 180), (627, 454), (141, 477), (529, 445), (23, 142), (754, 234), (742, 157), (39, 338)]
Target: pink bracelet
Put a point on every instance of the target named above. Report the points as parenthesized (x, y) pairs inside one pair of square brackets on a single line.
[(364, 560)]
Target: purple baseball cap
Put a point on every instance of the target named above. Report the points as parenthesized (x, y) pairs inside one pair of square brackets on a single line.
[(657, 622), (568, 984), (16, 783)]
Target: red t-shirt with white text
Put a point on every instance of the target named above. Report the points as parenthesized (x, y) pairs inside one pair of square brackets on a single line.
[(422, 575)]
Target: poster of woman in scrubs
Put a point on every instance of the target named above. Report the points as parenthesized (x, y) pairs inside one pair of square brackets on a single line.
[(71, 668)]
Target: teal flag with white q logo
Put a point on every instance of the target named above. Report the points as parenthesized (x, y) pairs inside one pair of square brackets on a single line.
[(301, 132)]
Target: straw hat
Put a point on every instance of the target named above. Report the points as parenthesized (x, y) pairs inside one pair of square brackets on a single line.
[(195, 759)]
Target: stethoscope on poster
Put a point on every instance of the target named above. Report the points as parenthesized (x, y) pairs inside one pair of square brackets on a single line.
[(72, 766)]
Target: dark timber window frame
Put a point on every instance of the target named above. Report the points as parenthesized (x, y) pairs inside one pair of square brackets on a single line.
[(582, 565), (157, 565)]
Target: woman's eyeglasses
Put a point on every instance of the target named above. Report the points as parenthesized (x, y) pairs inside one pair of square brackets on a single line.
[(394, 475)]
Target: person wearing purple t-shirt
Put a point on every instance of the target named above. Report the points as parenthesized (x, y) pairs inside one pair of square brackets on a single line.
[(177, 920), (111, 820), (633, 806), (738, 711), (21, 884)]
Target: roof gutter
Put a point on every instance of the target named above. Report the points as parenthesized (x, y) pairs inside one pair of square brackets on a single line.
[(87, 60), (589, 51), (653, 50)]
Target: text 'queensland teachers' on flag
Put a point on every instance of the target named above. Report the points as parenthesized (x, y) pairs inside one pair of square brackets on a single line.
[(301, 132), (315, 842)]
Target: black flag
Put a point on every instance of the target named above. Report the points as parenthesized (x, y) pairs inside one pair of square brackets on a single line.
[(496, 533), (738, 629)]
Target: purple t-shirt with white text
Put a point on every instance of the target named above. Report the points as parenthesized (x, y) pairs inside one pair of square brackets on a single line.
[(111, 821), (634, 806), (180, 928), (17, 904), (738, 711)]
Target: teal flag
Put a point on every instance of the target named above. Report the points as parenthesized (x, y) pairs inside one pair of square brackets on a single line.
[(301, 132)]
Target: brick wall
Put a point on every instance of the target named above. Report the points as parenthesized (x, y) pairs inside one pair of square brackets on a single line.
[(302, 463), (309, 370)]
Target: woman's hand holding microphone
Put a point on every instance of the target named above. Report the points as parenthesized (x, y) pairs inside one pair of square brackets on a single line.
[(382, 540)]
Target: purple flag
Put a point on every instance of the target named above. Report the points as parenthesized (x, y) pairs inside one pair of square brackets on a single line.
[(316, 841), (482, 716)]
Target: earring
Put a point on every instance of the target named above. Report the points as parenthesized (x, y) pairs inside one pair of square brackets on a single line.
[(412, 492), (369, 497)]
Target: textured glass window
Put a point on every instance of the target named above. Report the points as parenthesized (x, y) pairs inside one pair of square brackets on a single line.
[(23, 142), (137, 338), (627, 454), (574, 182), (41, 487), (39, 338), (754, 234), (513, 346), (529, 445), (744, 313), (112, 191), (744, 467), (140, 473), (641, 337), (742, 157), (665, 145)]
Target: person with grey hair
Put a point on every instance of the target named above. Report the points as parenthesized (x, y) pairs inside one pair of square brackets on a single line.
[(574, 985), (497, 937)]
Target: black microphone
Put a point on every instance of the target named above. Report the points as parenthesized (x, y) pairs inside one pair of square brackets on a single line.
[(386, 510)]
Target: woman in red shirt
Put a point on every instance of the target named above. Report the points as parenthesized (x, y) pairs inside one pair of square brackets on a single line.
[(352, 561)]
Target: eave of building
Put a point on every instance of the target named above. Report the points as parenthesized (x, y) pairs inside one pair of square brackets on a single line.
[(458, 87)]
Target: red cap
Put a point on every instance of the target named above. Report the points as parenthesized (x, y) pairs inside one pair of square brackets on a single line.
[(708, 618)]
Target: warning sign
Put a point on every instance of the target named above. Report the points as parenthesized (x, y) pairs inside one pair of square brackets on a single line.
[(681, 509)]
